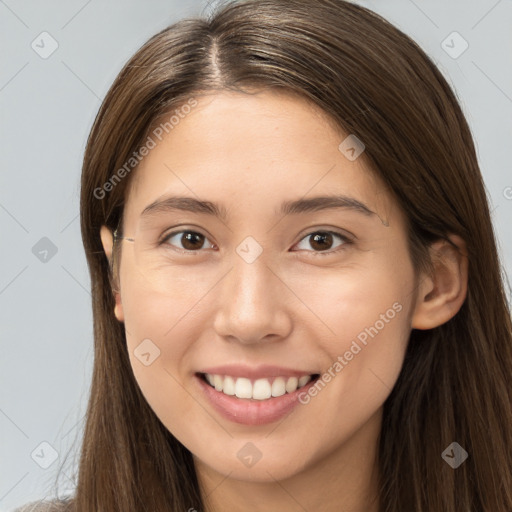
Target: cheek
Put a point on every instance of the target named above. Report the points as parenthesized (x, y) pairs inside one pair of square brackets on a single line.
[(155, 323), (160, 307), (344, 302), (165, 321), (363, 324), (158, 347)]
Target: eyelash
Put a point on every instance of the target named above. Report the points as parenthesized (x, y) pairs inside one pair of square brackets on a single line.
[(344, 238)]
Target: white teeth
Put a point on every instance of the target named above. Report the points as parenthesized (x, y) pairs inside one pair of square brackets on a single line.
[(291, 384), (218, 382), (304, 380), (243, 388), (229, 386), (278, 386), (260, 389)]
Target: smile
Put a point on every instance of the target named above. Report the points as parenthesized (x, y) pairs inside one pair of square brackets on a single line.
[(253, 396), (256, 389)]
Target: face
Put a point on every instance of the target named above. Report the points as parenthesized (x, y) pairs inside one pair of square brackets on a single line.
[(258, 299)]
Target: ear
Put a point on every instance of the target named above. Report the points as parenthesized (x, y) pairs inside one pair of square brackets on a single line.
[(441, 295), (107, 240)]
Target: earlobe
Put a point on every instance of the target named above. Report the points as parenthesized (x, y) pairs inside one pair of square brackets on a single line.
[(107, 240), (441, 295)]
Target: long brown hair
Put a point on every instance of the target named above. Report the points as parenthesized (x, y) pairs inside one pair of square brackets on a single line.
[(376, 83)]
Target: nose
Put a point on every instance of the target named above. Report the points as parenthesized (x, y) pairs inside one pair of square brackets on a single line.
[(253, 303)]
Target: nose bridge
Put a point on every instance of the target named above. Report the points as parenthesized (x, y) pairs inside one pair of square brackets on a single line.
[(251, 277), (250, 298), (251, 281)]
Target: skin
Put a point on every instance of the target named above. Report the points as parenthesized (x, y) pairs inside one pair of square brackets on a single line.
[(291, 306)]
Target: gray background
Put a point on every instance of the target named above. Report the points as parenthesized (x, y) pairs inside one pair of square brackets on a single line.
[(47, 109)]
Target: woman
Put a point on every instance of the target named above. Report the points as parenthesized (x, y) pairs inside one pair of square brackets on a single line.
[(240, 362)]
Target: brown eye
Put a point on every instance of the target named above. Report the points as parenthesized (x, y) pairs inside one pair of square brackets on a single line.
[(190, 240), (322, 241)]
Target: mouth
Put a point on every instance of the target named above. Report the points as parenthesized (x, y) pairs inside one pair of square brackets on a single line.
[(265, 388), (254, 401), (254, 395)]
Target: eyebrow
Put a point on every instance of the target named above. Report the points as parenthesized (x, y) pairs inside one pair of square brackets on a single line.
[(312, 204)]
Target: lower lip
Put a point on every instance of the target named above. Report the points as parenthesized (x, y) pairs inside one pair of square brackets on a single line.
[(249, 411)]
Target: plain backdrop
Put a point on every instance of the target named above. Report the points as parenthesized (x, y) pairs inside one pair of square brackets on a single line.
[(58, 61)]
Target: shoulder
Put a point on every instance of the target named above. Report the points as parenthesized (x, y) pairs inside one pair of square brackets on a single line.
[(44, 506)]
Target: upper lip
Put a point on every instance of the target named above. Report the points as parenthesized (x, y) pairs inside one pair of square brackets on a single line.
[(255, 372)]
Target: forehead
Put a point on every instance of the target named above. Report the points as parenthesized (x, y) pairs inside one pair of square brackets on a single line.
[(252, 151)]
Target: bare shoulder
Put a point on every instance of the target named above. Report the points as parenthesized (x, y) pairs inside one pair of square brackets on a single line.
[(45, 506)]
